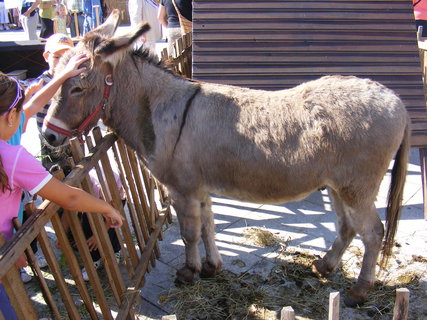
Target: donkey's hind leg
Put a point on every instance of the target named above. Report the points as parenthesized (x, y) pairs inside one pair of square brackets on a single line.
[(213, 264), (355, 216), (188, 213), (345, 235), (371, 231)]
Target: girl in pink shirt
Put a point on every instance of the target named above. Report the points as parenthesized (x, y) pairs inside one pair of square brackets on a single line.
[(20, 170)]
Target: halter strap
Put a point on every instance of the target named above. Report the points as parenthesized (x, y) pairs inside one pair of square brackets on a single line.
[(83, 127)]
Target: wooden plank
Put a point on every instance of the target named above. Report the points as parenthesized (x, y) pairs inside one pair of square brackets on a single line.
[(401, 305), (132, 214), (98, 230), (142, 197), (73, 263), (135, 197), (303, 25), (287, 313), (55, 269), (288, 5), (16, 291), (423, 160), (139, 187), (138, 279), (334, 306), (31, 260)]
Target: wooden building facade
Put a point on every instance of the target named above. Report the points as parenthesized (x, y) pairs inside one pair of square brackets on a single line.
[(278, 44)]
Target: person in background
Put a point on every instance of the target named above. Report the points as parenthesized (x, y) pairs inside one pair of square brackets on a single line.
[(90, 14), (168, 17), (61, 20), (420, 14), (19, 170), (87, 230), (75, 8), (146, 10), (29, 18), (184, 8), (54, 49), (46, 13), (4, 17)]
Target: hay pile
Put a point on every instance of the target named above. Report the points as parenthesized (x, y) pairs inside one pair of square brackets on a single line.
[(290, 282)]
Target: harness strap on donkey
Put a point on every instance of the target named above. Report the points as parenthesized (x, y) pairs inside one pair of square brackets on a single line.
[(82, 129), (184, 115)]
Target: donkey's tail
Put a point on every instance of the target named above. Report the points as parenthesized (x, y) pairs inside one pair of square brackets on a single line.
[(395, 195)]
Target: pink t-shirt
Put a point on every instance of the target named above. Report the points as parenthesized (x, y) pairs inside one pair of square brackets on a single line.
[(96, 185), (420, 9), (24, 172)]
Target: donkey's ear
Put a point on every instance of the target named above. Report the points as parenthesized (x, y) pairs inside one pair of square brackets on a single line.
[(109, 26), (119, 43)]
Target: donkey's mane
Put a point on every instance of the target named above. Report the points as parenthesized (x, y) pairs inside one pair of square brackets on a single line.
[(148, 56)]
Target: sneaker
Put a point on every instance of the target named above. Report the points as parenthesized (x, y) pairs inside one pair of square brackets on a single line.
[(40, 259), (25, 277), (117, 256), (97, 264)]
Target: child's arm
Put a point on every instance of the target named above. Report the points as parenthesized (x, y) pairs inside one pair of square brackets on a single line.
[(31, 9), (75, 199), (42, 97)]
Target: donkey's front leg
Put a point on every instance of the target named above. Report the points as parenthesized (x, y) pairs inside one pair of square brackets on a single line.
[(188, 213), (213, 264)]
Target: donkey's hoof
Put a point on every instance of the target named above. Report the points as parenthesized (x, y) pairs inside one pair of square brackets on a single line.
[(352, 301), (184, 276), (319, 267), (209, 270), (358, 294)]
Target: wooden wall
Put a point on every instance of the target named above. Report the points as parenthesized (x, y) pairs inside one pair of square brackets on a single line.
[(279, 44)]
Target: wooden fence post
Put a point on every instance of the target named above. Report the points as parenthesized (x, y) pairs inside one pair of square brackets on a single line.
[(401, 305), (17, 293), (96, 7), (334, 306), (76, 23), (287, 313)]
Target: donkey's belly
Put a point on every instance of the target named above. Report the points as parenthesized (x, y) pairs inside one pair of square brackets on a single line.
[(267, 196)]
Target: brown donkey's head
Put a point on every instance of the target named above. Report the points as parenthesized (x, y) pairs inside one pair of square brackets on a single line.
[(79, 103)]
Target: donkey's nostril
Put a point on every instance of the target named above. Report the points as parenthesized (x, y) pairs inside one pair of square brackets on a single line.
[(50, 138)]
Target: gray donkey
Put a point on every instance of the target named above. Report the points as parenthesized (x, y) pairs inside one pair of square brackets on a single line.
[(267, 147)]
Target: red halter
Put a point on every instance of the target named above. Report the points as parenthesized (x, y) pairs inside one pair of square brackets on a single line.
[(82, 129)]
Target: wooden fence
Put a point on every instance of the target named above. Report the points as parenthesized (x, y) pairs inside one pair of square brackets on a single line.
[(181, 57), (112, 294)]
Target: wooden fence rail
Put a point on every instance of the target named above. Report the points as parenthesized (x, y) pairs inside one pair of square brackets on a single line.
[(112, 294)]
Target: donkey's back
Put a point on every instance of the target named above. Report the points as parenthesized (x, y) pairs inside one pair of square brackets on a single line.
[(278, 146)]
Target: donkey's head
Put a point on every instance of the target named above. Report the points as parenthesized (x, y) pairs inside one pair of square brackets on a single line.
[(81, 101)]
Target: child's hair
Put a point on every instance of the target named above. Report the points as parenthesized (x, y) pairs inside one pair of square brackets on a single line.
[(11, 94), (61, 5)]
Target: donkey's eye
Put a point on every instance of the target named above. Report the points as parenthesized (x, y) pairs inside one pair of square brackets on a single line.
[(76, 90)]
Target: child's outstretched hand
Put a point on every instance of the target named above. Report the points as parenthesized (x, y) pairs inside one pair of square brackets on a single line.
[(32, 89), (72, 68), (113, 219)]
